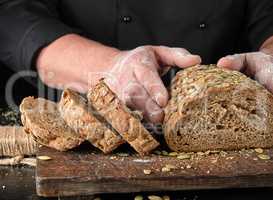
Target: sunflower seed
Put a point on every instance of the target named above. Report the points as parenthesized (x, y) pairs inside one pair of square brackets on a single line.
[(259, 150), (264, 157), (147, 171), (154, 197), (138, 197), (44, 158)]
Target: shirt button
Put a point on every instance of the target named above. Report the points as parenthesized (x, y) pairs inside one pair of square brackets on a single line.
[(126, 19), (202, 25)]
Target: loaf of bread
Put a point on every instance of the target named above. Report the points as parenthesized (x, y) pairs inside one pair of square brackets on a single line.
[(82, 119), (42, 120), (107, 104), (217, 109)]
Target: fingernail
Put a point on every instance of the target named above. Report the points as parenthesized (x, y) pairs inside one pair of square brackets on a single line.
[(160, 99)]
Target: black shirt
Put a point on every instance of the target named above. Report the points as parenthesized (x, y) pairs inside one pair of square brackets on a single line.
[(210, 28)]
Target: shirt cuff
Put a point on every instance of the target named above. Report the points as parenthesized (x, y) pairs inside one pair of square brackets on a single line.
[(38, 36)]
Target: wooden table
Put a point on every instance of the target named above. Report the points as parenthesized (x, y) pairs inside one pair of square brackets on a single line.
[(86, 173)]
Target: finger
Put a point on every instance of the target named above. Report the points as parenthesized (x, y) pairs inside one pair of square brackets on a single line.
[(140, 100), (153, 84), (176, 57), (233, 62)]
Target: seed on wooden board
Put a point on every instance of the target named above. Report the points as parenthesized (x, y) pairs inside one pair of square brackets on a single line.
[(207, 152), (165, 153), (264, 157), (165, 169), (259, 150), (165, 197), (44, 158), (138, 197), (171, 166), (173, 154), (147, 171), (184, 156), (188, 166), (154, 197)]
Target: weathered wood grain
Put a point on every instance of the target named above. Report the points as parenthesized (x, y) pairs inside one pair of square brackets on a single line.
[(83, 173)]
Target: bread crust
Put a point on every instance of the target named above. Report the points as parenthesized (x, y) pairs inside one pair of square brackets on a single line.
[(217, 109), (42, 120), (81, 118), (122, 120)]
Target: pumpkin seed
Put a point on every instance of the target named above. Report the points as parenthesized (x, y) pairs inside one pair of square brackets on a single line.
[(264, 157), (147, 171), (165, 153), (154, 197), (138, 197), (44, 158), (259, 150)]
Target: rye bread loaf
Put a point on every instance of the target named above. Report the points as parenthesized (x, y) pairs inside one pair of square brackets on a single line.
[(82, 119), (42, 120), (217, 109), (107, 104)]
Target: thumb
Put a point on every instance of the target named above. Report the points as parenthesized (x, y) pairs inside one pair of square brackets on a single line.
[(233, 62)]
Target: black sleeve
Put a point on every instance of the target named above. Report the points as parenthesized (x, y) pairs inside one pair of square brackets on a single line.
[(25, 27), (259, 22)]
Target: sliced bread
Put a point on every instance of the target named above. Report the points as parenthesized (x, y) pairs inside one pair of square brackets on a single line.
[(82, 119), (42, 120), (107, 104), (217, 109)]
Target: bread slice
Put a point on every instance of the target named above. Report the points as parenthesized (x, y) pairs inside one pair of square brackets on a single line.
[(83, 120), (217, 109), (122, 120), (42, 120)]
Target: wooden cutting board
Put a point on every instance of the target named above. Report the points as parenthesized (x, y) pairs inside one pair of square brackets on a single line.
[(85, 173)]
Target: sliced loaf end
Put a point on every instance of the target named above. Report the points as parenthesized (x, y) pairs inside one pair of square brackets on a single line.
[(42, 120)]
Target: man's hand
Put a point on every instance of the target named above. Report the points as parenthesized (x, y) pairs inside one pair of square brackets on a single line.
[(257, 65), (135, 77), (78, 63)]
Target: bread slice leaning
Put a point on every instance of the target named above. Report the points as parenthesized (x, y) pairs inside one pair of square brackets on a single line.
[(217, 109), (122, 120), (42, 120), (83, 120)]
